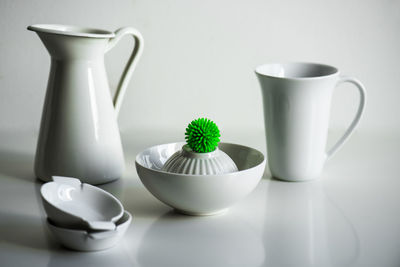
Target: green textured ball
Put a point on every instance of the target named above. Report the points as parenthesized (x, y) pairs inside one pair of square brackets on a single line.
[(202, 135)]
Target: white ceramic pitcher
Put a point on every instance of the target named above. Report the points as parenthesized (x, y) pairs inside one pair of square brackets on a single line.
[(79, 135)]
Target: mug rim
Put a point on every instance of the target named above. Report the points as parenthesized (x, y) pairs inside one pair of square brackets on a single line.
[(332, 71)]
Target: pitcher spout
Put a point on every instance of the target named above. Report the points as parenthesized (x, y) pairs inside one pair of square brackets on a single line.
[(65, 41), (71, 30)]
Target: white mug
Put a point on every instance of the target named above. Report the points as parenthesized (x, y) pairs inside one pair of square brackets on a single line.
[(297, 99)]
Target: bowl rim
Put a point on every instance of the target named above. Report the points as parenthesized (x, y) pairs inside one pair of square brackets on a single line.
[(201, 175), (50, 223)]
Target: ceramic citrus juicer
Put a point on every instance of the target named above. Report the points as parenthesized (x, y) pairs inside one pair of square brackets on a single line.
[(202, 176), (201, 154)]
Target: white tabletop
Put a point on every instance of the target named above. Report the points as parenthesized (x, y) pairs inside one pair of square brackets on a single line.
[(350, 217)]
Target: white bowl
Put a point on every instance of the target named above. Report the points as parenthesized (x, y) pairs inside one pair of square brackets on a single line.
[(72, 204), (90, 240), (200, 194)]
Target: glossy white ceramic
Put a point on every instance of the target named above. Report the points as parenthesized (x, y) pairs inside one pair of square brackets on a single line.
[(200, 194), (352, 219), (79, 135), (297, 99), (186, 161), (90, 240), (72, 204)]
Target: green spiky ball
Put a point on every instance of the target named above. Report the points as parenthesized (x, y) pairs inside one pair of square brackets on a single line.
[(202, 135)]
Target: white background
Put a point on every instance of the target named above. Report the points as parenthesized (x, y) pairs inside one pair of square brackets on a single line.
[(199, 58)]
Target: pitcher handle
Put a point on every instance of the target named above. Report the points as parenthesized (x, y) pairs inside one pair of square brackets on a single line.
[(356, 120), (130, 65)]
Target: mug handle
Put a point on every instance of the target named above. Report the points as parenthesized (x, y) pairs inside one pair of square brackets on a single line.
[(354, 123), (130, 65)]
